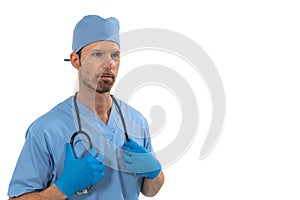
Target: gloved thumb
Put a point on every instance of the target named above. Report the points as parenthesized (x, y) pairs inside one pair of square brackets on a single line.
[(69, 151), (94, 152)]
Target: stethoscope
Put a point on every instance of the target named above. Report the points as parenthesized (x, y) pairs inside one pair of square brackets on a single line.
[(89, 140)]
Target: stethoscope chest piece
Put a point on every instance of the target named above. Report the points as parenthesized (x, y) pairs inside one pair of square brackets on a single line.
[(77, 133)]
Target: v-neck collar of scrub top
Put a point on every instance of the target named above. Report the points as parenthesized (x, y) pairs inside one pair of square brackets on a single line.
[(88, 117)]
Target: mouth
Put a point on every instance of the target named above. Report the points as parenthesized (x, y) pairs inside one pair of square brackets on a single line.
[(107, 76)]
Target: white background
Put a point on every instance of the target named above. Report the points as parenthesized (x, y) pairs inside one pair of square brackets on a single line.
[(255, 46)]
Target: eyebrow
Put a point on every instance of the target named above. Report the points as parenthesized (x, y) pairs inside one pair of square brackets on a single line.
[(100, 50)]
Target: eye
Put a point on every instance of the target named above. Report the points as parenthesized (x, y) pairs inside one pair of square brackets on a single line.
[(97, 54), (115, 56)]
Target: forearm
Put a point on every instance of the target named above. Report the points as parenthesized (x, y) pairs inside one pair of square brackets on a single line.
[(151, 187), (51, 193)]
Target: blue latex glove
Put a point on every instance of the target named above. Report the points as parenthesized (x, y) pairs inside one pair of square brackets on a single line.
[(139, 161), (80, 173)]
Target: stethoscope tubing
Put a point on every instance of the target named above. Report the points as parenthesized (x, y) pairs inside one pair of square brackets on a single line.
[(80, 131)]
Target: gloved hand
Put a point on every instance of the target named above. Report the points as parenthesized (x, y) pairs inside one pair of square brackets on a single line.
[(80, 173), (139, 161)]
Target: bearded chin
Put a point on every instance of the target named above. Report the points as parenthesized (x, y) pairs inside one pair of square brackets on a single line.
[(101, 91), (104, 88)]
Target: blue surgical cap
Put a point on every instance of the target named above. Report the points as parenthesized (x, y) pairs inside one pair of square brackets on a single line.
[(93, 28)]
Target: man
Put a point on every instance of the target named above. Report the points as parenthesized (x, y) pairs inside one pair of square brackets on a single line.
[(119, 166)]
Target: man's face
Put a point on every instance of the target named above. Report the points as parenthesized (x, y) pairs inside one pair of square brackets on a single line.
[(99, 65)]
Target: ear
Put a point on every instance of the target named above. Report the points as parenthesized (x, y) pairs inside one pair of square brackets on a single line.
[(74, 58)]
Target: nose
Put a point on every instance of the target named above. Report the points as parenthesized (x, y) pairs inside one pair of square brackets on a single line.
[(109, 63)]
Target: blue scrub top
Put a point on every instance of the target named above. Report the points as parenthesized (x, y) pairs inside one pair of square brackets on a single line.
[(42, 157)]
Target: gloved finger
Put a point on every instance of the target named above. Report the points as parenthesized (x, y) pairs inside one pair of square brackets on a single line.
[(132, 144), (127, 149), (101, 167), (94, 164), (94, 152), (135, 147), (69, 151), (97, 176), (128, 166), (133, 158), (125, 156), (100, 158), (127, 146), (101, 173)]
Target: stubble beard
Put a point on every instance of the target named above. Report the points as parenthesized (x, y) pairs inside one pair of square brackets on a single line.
[(104, 86)]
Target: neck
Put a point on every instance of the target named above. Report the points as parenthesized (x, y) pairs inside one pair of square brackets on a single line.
[(99, 103)]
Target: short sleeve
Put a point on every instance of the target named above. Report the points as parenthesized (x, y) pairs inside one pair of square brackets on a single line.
[(33, 169), (147, 139)]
